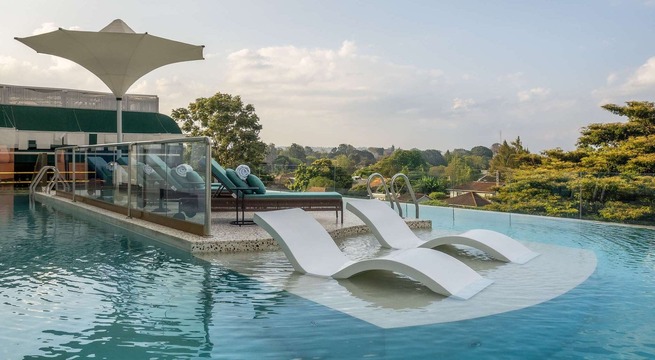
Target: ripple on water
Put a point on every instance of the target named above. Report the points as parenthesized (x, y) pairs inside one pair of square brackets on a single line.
[(74, 289)]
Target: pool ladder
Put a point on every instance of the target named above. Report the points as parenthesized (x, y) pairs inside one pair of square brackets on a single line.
[(392, 196), (56, 179)]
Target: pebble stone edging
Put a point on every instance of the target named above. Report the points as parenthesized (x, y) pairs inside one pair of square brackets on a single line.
[(269, 244)]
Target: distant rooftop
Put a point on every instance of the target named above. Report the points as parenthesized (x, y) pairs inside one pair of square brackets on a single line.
[(477, 186), (470, 199), (75, 99)]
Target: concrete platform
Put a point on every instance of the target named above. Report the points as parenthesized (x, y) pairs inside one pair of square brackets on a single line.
[(225, 236)]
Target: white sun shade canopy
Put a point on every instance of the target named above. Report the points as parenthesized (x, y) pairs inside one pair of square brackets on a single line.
[(116, 54)]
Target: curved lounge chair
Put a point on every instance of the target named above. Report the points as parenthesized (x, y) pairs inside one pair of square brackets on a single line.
[(392, 232), (311, 250)]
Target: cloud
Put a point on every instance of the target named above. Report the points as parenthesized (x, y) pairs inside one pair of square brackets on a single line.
[(61, 64), (348, 48), (635, 84), (643, 77), (49, 27), (324, 96), (462, 104), (13, 71), (328, 96), (45, 28), (532, 94)]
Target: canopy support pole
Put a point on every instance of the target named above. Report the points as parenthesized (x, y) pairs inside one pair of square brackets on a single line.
[(119, 120)]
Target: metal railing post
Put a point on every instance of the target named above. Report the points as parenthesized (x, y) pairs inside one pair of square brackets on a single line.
[(208, 187), (580, 196), (74, 175), (129, 180)]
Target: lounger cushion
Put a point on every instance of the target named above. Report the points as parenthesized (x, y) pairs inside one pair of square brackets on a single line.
[(236, 180), (284, 195), (254, 181), (218, 172)]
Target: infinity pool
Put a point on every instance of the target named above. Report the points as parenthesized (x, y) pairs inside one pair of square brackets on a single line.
[(74, 289)]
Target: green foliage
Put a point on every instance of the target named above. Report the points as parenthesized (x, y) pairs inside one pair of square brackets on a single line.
[(401, 161), (482, 151), (511, 156), (623, 212), (358, 191), (436, 202), (322, 168), (344, 162), (283, 164), (429, 184), (296, 151), (459, 171), (434, 157), (321, 181), (232, 126), (537, 191), (608, 177), (438, 195), (641, 122)]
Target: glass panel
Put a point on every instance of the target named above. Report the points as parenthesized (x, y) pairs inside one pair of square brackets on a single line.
[(163, 178)]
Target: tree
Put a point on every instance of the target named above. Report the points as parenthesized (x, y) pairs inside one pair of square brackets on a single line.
[(365, 157), (309, 151), (297, 152), (342, 149), (482, 151), (323, 169), (429, 184), (344, 162), (376, 151), (459, 171), (641, 122), (401, 161), (510, 156), (232, 126), (434, 157), (271, 154), (608, 177)]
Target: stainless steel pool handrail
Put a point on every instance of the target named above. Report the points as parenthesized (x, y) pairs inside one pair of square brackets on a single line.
[(57, 178), (409, 188), (384, 184)]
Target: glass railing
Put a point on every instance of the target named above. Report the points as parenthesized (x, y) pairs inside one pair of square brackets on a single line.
[(621, 198), (162, 181)]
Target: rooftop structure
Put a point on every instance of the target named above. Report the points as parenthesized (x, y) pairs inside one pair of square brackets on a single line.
[(75, 99)]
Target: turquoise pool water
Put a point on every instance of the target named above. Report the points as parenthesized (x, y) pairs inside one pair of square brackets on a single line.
[(74, 289)]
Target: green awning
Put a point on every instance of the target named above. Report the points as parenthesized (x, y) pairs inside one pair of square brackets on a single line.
[(40, 118)]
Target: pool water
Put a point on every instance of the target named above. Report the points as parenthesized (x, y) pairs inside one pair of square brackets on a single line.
[(74, 289)]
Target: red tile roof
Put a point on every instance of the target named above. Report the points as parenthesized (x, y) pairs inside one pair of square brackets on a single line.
[(469, 199)]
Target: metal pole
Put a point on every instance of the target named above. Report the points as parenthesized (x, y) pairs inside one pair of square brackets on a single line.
[(129, 180), (208, 187), (74, 175), (580, 196), (119, 120)]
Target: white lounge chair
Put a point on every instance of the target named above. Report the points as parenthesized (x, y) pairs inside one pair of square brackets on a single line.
[(311, 250), (392, 232)]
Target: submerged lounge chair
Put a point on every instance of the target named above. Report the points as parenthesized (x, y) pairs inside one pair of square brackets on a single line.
[(251, 195), (311, 250), (392, 232)]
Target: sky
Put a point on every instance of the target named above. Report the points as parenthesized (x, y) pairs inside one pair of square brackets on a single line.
[(414, 74)]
